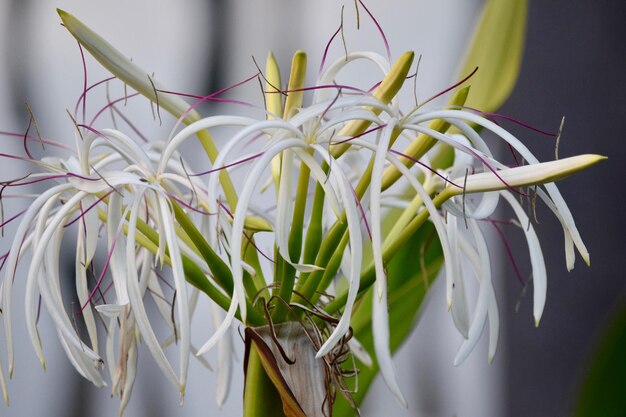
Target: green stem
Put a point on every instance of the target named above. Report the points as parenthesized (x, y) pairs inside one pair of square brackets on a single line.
[(149, 239), (295, 243), (368, 276), (221, 272), (260, 397)]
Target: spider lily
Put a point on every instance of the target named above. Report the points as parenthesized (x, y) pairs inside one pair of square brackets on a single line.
[(154, 210)]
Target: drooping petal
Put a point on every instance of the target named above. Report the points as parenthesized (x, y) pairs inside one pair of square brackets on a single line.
[(136, 298), (181, 291), (116, 247), (455, 284), (224, 358), (251, 184), (11, 265), (356, 248), (536, 257), (482, 305)]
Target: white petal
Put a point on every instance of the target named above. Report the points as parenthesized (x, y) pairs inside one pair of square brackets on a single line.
[(482, 306), (380, 327), (224, 358), (284, 206), (111, 311), (116, 246), (11, 264), (57, 312), (360, 352), (251, 183), (356, 245), (455, 285), (131, 373), (223, 327), (136, 299), (540, 281), (181, 291), (555, 195), (82, 288)]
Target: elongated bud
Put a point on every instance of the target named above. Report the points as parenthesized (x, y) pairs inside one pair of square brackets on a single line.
[(526, 175), (385, 92), (123, 68), (273, 97)]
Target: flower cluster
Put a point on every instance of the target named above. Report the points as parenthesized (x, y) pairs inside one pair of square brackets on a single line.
[(336, 163)]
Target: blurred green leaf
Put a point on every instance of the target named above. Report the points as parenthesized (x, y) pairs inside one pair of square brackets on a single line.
[(603, 390), (496, 49)]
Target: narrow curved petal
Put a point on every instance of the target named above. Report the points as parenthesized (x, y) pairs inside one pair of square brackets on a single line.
[(536, 257)]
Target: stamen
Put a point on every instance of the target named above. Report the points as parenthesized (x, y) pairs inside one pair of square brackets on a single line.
[(326, 110), (28, 137), (492, 116), (420, 163), (363, 216), (83, 212), (162, 279), (106, 182), (191, 186), (246, 234), (75, 125), (173, 316), (190, 207), (241, 161), (260, 74), (324, 56), (129, 123), (35, 125), (558, 139), (507, 249), (83, 96), (104, 269), (30, 121), (374, 129), (102, 110), (343, 36), (417, 68), (156, 99), (380, 29), (4, 260), (452, 87), (4, 223), (321, 87)]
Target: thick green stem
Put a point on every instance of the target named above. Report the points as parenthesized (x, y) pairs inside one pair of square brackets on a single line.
[(260, 397), (390, 248)]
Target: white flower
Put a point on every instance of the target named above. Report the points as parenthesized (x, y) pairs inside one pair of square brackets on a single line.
[(146, 202)]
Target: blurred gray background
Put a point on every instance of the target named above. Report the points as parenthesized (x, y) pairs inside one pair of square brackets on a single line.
[(574, 65)]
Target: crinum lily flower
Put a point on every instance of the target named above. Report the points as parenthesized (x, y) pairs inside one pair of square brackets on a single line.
[(154, 210)]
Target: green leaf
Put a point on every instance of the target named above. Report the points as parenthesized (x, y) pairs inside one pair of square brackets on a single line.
[(602, 392), (410, 274), (496, 49)]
